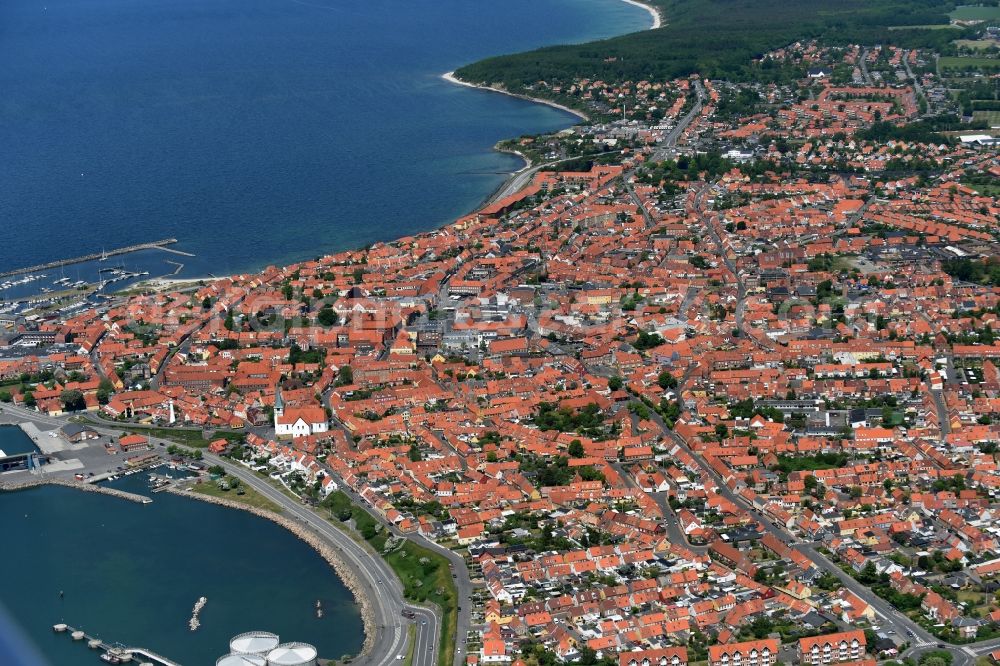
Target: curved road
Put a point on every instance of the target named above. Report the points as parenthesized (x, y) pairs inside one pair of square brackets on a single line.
[(379, 583)]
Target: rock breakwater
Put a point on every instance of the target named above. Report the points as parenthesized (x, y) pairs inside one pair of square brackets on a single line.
[(13, 486)]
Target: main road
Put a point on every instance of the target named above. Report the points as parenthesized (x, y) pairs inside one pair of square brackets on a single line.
[(669, 142)]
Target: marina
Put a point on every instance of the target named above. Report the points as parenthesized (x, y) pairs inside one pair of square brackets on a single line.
[(100, 256)]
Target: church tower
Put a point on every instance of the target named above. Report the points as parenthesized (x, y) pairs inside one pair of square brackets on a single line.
[(279, 405)]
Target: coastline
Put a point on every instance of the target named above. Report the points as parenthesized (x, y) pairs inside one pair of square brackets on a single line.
[(653, 11), (342, 570), (451, 78), (493, 196), (27, 484), (511, 151)]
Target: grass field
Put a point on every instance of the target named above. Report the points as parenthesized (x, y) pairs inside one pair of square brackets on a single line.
[(929, 26), (977, 44), (190, 438), (250, 497), (411, 645), (975, 13), (992, 118), (960, 63)]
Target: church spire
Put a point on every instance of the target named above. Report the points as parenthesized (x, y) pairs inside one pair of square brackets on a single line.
[(279, 403)]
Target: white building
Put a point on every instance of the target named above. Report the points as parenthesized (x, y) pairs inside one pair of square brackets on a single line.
[(297, 421)]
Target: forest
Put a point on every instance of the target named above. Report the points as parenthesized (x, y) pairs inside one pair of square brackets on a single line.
[(721, 39)]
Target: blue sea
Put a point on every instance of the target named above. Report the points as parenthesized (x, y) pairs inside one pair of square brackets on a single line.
[(257, 131), (14, 441)]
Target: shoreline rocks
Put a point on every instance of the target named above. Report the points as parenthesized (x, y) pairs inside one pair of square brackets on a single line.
[(77, 485), (343, 570)]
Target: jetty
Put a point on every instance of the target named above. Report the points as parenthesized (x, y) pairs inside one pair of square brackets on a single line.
[(117, 654), (160, 244), (194, 622)]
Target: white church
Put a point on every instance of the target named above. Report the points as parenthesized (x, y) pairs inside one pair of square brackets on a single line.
[(297, 421)]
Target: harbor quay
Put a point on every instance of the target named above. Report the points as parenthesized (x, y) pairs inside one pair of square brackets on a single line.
[(79, 455)]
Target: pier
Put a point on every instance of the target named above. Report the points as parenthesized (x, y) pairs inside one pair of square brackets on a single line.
[(123, 654), (160, 244)]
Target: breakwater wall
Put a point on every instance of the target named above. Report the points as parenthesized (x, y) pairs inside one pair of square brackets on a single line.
[(91, 257), (344, 571), (77, 485)]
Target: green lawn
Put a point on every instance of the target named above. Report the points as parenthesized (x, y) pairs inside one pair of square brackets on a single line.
[(429, 581), (929, 26), (992, 118), (425, 574), (975, 13), (190, 438), (411, 633), (250, 497), (423, 581), (961, 63), (971, 597), (986, 190), (978, 44)]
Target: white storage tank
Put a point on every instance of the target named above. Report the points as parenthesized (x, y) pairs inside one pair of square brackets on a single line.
[(292, 654), (241, 660), (254, 642)]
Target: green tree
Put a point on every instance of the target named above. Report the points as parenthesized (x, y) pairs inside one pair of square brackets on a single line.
[(868, 574), (666, 380), (72, 400), (615, 383), (588, 657), (575, 449), (761, 626), (326, 317), (104, 390)]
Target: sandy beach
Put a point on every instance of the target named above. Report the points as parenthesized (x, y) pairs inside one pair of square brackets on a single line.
[(654, 12), (450, 78)]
